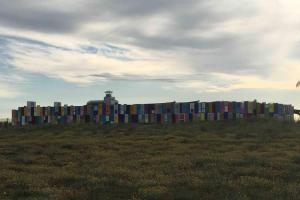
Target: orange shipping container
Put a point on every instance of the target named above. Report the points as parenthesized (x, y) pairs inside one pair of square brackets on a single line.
[(100, 109), (107, 109)]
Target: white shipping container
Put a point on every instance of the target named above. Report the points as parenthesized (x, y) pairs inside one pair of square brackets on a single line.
[(23, 121), (122, 110), (116, 109), (35, 111), (192, 107), (225, 106), (203, 107)]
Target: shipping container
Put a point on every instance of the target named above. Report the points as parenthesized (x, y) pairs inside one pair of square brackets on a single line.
[(146, 118), (122, 118)]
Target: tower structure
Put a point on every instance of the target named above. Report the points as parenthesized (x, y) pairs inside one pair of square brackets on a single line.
[(109, 99)]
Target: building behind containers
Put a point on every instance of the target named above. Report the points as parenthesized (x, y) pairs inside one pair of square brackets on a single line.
[(31, 104)]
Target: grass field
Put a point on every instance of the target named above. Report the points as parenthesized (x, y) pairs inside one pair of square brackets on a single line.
[(220, 160)]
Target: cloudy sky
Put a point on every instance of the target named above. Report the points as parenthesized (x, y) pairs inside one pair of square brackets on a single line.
[(148, 51)]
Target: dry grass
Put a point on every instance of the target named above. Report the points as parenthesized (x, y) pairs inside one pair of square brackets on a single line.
[(233, 160)]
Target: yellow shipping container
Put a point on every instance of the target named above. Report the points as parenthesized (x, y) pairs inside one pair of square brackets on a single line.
[(202, 116), (258, 108), (116, 120), (41, 111), (271, 107), (37, 111), (62, 111), (250, 107)]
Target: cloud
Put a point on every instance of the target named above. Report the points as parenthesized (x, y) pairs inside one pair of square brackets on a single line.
[(49, 17), (213, 80), (89, 64), (68, 64), (171, 42), (9, 85), (7, 92), (109, 51)]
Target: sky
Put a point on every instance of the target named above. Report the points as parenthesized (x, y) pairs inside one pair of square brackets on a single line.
[(148, 51)]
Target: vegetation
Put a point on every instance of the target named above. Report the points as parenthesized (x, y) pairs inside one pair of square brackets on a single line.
[(208, 160)]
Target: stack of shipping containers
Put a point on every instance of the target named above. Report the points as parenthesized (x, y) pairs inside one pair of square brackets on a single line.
[(102, 112)]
